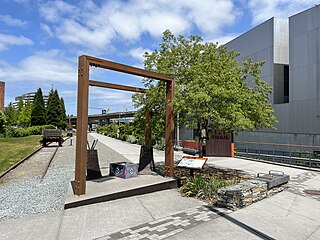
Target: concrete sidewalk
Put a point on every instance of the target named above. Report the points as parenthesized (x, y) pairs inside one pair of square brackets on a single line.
[(292, 214), (131, 151)]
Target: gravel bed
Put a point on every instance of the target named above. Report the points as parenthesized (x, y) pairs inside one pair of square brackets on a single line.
[(31, 196)]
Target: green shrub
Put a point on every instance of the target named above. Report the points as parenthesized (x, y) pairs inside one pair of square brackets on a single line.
[(207, 186), (131, 139), (23, 132), (160, 145)]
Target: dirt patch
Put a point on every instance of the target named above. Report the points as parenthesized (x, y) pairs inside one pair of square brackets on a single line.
[(208, 171)]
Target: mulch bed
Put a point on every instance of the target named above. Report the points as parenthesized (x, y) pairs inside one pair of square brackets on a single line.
[(227, 174)]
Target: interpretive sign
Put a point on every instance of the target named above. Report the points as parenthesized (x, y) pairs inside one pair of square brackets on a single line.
[(192, 162)]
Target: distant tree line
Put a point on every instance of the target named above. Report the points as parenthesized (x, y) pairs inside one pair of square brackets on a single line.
[(29, 114)]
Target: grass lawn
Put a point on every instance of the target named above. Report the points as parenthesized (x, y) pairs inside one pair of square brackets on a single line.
[(12, 150)]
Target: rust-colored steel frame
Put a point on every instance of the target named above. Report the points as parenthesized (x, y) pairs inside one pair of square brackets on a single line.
[(84, 64)]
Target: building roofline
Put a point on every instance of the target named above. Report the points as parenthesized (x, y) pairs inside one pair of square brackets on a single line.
[(306, 10), (272, 18)]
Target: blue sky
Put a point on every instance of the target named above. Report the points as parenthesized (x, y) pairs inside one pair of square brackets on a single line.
[(40, 41)]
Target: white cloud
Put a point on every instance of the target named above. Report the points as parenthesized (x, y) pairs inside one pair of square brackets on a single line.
[(46, 29), (221, 40), (137, 53), (54, 11), (6, 40), (10, 21), (98, 26), (115, 99), (265, 9), (21, 1), (46, 67), (74, 33)]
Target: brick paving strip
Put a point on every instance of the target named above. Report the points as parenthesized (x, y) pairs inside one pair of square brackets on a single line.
[(167, 226), (174, 224)]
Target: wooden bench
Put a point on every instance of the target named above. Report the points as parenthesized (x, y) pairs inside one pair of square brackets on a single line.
[(51, 135)]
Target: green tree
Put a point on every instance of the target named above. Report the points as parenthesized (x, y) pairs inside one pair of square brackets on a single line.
[(63, 117), (2, 122), (10, 113), (38, 113), (19, 112), (210, 86), (25, 114), (56, 110)]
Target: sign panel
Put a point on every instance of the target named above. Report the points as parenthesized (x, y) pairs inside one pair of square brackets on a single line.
[(219, 144), (194, 163)]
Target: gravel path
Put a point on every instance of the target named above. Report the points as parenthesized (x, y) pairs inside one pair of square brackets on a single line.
[(22, 193), (28, 195)]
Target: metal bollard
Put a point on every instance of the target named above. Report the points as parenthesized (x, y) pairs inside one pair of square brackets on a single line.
[(70, 143)]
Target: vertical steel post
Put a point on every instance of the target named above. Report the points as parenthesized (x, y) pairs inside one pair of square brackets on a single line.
[(82, 126), (169, 141), (310, 159), (273, 152), (290, 149)]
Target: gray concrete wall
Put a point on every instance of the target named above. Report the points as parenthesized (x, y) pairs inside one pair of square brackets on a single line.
[(304, 53), (302, 114), (257, 44)]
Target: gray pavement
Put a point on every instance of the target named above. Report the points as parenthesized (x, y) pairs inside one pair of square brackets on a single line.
[(291, 214)]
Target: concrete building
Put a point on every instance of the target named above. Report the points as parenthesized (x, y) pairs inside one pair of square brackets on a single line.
[(2, 86), (290, 48), (28, 97)]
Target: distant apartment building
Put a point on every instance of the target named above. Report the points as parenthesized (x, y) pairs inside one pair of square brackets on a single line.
[(290, 49), (28, 97)]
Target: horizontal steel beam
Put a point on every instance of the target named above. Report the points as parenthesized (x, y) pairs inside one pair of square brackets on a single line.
[(116, 86), (97, 62)]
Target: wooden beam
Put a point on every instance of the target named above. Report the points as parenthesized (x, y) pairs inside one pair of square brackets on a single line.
[(169, 130), (97, 62), (82, 127), (116, 86)]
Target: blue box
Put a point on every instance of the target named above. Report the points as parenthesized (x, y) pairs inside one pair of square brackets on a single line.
[(124, 169)]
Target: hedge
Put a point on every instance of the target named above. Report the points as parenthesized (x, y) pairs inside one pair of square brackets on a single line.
[(23, 132)]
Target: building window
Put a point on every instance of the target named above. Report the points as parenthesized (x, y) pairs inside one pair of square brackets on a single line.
[(286, 84), (281, 84)]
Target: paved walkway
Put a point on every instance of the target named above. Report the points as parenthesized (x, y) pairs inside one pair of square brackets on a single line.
[(291, 214), (131, 151)]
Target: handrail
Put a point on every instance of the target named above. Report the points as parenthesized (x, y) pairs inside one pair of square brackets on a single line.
[(278, 144)]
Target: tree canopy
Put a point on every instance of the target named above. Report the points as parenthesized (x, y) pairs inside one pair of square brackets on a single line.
[(55, 113), (38, 114), (211, 86)]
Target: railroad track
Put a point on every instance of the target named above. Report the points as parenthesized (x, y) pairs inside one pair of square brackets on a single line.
[(35, 164)]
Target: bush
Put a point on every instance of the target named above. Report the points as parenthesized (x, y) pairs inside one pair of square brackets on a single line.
[(23, 132), (131, 139), (124, 132), (160, 145), (206, 187)]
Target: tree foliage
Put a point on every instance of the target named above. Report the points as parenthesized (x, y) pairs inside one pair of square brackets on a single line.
[(56, 113), (63, 118), (2, 122), (10, 114), (22, 115), (210, 86), (34, 114), (38, 113)]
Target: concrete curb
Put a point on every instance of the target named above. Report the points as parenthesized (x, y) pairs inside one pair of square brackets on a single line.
[(124, 194)]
